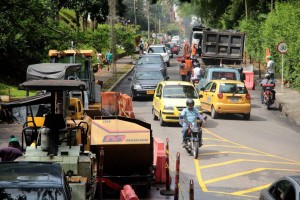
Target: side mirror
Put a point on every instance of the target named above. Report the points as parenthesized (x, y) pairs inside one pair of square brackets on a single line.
[(200, 96), (130, 78), (158, 95), (202, 89), (167, 78)]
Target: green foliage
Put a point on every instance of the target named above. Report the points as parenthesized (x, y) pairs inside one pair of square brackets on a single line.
[(282, 24)]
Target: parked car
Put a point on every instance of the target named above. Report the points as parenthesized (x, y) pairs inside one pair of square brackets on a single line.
[(144, 81), (160, 49), (286, 188), (226, 96), (170, 99), (215, 72), (33, 180), (151, 61)]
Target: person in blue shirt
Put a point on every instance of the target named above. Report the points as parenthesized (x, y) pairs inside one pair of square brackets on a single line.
[(189, 115), (109, 58)]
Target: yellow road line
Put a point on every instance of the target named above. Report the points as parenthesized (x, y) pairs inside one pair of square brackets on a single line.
[(215, 139), (247, 172), (221, 145), (250, 148), (245, 160), (255, 189), (233, 152), (200, 180), (218, 192)]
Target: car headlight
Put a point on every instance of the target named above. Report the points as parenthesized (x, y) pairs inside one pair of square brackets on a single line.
[(168, 107), (137, 87)]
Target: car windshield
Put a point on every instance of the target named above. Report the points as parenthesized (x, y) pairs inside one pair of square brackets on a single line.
[(157, 50), (149, 75), (31, 193), (219, 75), (179, 91), (233, 88), (150, 60)]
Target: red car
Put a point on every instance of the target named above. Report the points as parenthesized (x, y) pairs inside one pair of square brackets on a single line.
[(174, 48)]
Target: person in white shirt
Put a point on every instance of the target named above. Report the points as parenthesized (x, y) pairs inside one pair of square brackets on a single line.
[(195, 72), (270, 67)]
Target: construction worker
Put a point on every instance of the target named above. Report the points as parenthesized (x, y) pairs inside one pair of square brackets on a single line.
[(183, 70), (186, 49), (194, 51), (189, 66)]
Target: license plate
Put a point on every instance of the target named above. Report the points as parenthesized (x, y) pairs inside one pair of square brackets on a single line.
[(234, 100), (150, 91)]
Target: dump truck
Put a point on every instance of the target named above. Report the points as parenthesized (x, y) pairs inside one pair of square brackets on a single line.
[(218, 46), (222, 47)]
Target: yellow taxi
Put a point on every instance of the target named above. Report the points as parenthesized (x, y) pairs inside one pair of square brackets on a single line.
[(170, 99), (225, 96)]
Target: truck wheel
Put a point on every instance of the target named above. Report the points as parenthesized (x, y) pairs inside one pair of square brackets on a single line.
[(155, 118), (161, 121), (214, 114)]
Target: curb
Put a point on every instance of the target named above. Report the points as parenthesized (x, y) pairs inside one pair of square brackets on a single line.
[(119, 80)]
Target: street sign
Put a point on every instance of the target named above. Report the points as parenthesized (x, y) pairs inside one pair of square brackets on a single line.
[(153, 35), (282, 48)]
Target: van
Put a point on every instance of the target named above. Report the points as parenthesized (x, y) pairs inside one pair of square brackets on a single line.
[(218, 73)]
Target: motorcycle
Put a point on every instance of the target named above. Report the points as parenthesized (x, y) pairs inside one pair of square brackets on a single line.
[(194, 138), (268, 94)]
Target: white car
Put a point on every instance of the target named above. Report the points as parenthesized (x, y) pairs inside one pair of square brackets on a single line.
[(160, 49)]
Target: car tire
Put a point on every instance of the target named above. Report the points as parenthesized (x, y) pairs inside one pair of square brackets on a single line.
[(214, 113), (161, 121), (155, 118), (246, 116), (133, 97)]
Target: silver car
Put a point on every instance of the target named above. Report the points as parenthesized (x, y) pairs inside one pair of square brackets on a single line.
[(151, 61), (162, 50), (285, 188)]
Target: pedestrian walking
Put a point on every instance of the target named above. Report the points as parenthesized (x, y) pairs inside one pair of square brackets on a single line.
[(108, 58)]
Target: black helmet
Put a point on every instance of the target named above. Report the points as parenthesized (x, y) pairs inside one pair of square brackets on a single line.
[(190, 101)]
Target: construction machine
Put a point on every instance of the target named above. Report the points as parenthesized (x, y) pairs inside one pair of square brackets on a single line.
[(97, 155)]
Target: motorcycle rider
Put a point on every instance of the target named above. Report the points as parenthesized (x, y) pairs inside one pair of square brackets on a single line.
[(189, 115), (195, 73), (266, 80)]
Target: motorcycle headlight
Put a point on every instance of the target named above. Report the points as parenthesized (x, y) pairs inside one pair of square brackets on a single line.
[(168, 107), (137, 87)]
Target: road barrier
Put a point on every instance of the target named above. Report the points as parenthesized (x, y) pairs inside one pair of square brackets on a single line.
[(168, 190), (159, 160), (176, 194), (191, 190)]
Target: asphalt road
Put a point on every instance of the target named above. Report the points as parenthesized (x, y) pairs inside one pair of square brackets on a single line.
[(238, 159)]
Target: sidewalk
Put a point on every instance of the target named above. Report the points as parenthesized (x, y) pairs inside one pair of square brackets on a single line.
[(289, 103), (110, 79)]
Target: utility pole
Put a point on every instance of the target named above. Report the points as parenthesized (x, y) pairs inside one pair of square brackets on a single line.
[(148, 17), (272, 5), (134, 11), (246, 9), (112, 13)]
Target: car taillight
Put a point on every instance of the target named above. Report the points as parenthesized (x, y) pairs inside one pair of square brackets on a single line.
[(248, 97), (220, 95)]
